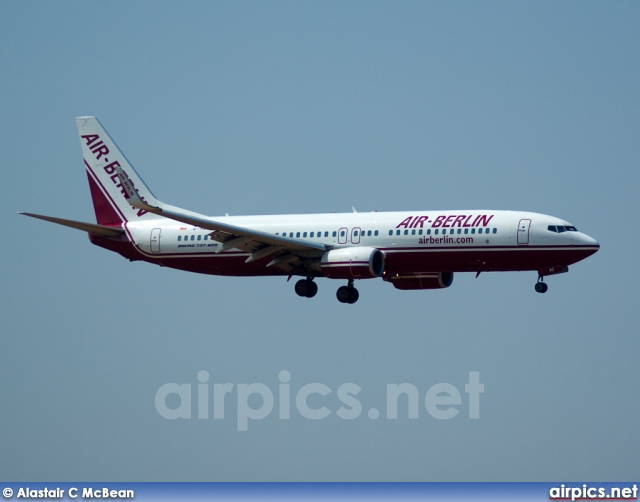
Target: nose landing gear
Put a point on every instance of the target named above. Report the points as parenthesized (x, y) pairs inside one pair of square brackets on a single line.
[(541, 286)]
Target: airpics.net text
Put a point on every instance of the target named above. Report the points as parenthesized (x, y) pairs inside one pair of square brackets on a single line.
[(256, 401)]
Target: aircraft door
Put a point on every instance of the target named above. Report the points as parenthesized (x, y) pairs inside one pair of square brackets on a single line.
[(342, 236), (523, 232), (355, 235), (154, 240)]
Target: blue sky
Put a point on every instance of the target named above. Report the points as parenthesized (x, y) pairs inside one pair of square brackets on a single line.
[(289, 107)]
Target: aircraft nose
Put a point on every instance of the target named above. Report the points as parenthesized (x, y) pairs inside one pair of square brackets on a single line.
[(586, 240)]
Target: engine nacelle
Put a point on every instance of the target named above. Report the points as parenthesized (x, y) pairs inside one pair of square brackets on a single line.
[(352, 263), (434, 280)]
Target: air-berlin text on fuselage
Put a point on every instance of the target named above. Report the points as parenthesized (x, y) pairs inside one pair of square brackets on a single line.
[(446, 221), (100, 150)]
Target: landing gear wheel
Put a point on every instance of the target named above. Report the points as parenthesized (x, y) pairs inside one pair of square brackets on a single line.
[(312, 289), (347, 294), (541, 287), (301, 287), (306, 288), (343, 294)]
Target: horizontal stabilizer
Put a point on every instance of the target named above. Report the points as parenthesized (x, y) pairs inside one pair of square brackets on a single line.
[(79, 225)]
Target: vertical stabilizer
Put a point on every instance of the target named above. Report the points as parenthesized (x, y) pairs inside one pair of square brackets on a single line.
[(101, 157)]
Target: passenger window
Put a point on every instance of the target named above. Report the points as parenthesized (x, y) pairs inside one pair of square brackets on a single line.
[(355, 233), (495, 230), (428, 231), (179, 237), (297, 234), (304, 235), (335, 233), (390, 232), (420, 232), (466, 230), (406, 232), (369, 233), (397, 232), (199, 237), (290, 234), (473, 230), (375, 233), (311, 234), (436, 232), (341, 233), (326, 234), (459, 231)]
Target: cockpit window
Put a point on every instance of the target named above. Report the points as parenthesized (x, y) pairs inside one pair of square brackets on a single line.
[(561, 228)]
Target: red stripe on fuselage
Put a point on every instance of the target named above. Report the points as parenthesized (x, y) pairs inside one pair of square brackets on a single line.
[(496, 259), (405, 261)]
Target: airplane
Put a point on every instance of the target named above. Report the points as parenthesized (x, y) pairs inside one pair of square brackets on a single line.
[(412, 250)]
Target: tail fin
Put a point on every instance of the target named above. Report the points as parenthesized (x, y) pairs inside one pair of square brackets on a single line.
[(101, 156)]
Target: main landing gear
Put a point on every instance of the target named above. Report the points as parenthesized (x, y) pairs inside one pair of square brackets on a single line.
[(347, 294), (306, 288), (541, 286)]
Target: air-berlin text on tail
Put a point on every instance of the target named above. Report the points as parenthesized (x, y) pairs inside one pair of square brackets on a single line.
[(446, 221), (99, 149)]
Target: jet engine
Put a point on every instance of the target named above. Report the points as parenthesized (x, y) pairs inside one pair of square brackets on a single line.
[(352, 263)]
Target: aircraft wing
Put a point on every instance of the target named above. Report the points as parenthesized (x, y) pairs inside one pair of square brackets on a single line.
[(286, 252)]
